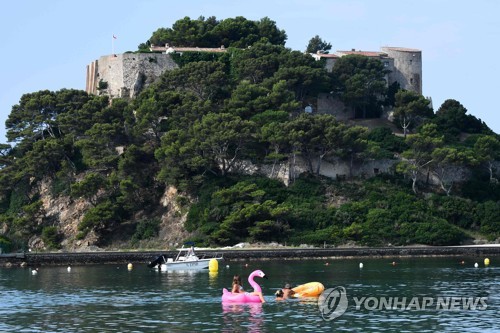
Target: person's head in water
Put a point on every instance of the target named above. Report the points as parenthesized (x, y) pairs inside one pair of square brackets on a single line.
[(285, 292)]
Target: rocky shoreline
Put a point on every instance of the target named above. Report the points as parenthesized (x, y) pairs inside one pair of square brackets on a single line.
[(106, 257)]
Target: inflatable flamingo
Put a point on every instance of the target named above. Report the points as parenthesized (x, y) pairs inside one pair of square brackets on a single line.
[(229, 297)]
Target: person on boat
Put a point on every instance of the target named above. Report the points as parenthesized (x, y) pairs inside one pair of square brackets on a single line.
[(237, 288), (190, 252), (285, 292)]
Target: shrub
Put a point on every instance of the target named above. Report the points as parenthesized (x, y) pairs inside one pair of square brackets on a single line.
[(102, 85), (51, 237), (488, 217), (319, 237), (146, 228), (435, 232), (98, 218), (387, 140), (5, 244), (457, 211)]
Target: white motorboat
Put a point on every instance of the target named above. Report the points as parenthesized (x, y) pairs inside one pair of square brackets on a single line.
[(186, 259)]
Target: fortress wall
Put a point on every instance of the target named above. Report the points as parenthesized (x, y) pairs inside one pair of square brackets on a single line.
[(407, 67), (90, 86), (330, 105), (110, 70), (142, 69), (126, 74)]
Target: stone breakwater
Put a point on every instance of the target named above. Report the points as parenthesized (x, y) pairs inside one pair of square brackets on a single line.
[(83, 258)]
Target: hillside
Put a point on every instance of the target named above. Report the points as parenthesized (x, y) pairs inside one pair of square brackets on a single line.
[(220, 151)]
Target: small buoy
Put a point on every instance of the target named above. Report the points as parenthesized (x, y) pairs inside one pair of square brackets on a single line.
[(326, 264), (34, 271), (246, 265), (227, 266), (476, 265), (393, 263), (213, 265), (69, 269), (462, 262), (360, 265), (130, 266), (486, 262)]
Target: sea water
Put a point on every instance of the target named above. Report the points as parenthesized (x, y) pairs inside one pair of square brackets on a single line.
[(112, 298)]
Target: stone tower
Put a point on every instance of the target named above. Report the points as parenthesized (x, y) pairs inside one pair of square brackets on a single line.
[(407, 67), (125, 75)]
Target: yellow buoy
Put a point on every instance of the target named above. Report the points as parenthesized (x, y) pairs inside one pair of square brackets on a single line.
[(129, 267), (486, 262), (213, 265)]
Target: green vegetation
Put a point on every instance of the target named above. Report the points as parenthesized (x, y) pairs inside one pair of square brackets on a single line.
[(199, 126), (51, 237), (146, 229)]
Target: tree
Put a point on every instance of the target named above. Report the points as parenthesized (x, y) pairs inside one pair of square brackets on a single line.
[(360, 83), (5, 150), (303, 133), (244, 211), (269, 30), (77, 121), (354, 144), (187, 32), (222, 137), (98, 218), (304, 81), (317, 45), (451, 119), (36, 115), (271, 131), (487, 150), (206, 80), (446, 164), (315, 137), (256, 63), (487, 216), (98, 147), (236, 32), (45, 158), (248, 100), (181, 159), (89, 188), (410, 107), (419, 156)]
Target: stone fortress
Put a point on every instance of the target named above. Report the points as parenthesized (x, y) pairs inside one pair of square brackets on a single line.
[(404, 66), (125, 75)]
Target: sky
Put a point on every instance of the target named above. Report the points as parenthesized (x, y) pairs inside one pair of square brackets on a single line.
[(48, 44)]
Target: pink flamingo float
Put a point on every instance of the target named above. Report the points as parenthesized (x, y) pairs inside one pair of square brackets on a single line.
[(229, 297)]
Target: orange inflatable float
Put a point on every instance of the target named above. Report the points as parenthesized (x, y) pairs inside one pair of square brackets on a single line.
[(311, 289)]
